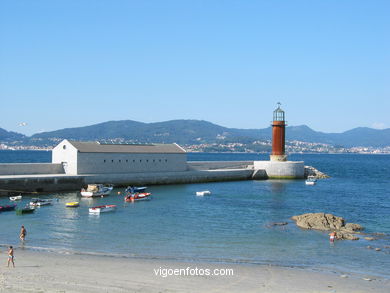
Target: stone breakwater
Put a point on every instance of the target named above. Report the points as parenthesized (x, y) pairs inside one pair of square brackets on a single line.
[(311, 171)]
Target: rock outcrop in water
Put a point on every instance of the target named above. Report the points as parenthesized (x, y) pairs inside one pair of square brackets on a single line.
[(311, 171), (328, 222)]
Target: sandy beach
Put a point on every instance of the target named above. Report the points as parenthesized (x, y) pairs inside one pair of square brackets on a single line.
[(52, 272)]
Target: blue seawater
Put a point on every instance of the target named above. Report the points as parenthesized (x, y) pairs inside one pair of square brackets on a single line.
[(231, 225)]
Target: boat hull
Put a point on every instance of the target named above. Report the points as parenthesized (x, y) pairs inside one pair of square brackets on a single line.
[(102, 209), (138, 197), (25, 211), (101, 192), (203, 193), (15, 198), (7, 208)]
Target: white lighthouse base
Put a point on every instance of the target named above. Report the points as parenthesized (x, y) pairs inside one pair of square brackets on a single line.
[(281, 170), (278, 158)]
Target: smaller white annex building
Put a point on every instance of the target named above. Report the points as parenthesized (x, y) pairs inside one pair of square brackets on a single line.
[(96, 158)]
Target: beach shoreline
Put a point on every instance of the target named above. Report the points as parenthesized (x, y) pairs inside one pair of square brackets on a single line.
[(38, 271)]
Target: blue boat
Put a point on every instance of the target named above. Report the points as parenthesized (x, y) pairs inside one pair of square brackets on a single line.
[(134, 189)]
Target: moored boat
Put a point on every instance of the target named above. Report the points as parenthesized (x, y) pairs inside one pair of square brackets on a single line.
[(311, 180), (8, 207), (14, 198), (102, 209), (37, 202), (25, 210), (134, 189), (73, 204), (202, 193), (138, 196), (94, 190)]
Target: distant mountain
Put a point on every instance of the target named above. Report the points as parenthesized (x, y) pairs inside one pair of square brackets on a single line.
[(10, 135), (198, 131), (189, 132)]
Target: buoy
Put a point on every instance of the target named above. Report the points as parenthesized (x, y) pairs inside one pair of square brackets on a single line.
[(119, 192)]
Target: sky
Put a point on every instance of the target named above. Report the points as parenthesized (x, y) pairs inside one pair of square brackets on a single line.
[(74, 63)]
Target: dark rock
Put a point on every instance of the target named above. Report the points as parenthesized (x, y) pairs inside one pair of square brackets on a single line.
[(279, 224)]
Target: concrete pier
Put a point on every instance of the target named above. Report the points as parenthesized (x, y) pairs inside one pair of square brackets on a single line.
[(197, 172)]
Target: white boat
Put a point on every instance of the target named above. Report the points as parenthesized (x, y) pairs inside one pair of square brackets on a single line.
[(311, 180), (14, 198), (203, 193), (37, 202), (94, 190), (102, 209)]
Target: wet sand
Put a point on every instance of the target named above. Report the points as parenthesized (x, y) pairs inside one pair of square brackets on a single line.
[(51, 272)]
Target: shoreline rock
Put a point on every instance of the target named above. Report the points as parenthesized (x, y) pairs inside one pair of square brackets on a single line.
[(328, 222)]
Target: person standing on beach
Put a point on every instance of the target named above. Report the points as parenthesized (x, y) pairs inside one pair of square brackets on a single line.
[(10, 256), (23, 233)]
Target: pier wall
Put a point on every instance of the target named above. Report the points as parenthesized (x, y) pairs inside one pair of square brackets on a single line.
[(30, 168), (57, 183), (214, 165), (29, 177)]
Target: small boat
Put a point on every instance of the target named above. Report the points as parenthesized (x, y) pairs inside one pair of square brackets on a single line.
[(134, 189), (94, 190), (102, 209), (73, 204), (8, 207), (138, 196), (25, 210), (14, 198), (37, 202), (311, 180), (202, 193)]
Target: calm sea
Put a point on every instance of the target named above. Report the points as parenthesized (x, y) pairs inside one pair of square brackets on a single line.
[(231, 225)]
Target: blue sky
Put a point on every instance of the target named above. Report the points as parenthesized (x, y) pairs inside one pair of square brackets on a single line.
[(76, 63)]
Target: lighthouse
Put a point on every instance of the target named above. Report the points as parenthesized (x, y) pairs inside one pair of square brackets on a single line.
[(278, 136), (278, 167)]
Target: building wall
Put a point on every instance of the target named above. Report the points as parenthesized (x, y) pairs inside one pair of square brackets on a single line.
[(104, 163), (30, 169), (66, 154)]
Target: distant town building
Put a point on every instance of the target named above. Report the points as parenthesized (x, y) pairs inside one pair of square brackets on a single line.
[(96, 158)]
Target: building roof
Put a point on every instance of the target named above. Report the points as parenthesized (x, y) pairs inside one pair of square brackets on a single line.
[(96, 147)]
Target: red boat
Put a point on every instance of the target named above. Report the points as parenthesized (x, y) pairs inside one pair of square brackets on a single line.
[(131, 197)]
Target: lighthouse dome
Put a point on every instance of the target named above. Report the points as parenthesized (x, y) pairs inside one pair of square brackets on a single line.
[(279, 114)]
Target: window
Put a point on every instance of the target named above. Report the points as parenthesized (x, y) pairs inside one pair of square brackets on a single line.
[(140, 161), (119, 161), (166, 160), (154, 160), (133, 161), (104, 161), (112, 161), (159, 160), (127, 161), (147, 161), (64, 147)]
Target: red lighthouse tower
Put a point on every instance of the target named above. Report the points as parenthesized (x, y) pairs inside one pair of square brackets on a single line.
[(278, 136)]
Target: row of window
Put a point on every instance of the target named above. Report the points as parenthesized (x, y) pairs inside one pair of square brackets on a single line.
[(147, 161)]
